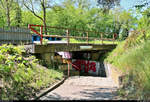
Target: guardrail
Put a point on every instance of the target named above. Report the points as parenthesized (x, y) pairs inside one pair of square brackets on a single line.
[(68, 33)]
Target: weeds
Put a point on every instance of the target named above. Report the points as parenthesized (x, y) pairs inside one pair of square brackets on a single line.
[(132, 56), (22, 75)]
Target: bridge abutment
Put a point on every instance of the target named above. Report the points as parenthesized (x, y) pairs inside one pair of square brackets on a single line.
[(89, 58), (48, 57)]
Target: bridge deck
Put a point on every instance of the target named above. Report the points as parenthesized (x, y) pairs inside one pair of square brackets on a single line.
[(57, 47)]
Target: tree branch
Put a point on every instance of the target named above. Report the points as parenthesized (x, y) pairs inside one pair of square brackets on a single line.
[(32, 10), (2, 3)]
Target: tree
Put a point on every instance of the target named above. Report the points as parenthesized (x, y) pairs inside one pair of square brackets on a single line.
[(106, 5), (123, 22), (29, 18), (6, 6), (37, 6), (18, 14), (2, 22)]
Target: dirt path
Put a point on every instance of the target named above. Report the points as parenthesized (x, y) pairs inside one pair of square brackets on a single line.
[(84, 88)]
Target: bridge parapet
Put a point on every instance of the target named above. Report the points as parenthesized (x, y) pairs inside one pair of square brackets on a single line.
[(71, 47)]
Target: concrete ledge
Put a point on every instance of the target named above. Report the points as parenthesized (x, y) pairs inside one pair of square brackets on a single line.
[(71, 47), (45, 91)]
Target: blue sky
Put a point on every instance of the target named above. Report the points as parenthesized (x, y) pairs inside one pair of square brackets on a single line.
[(126, 4)]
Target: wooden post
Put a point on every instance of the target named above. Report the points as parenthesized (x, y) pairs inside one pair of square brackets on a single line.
[(87, 37), (68, 39), (41, 33), (102, 37)]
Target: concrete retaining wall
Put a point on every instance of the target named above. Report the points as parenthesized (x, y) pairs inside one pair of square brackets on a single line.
[(114, 73)]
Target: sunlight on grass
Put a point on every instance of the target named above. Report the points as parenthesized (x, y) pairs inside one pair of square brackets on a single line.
[(93, 41)]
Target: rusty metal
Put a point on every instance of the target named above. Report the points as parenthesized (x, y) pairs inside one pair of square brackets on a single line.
[(41, 34), (70, 29), (68, 68), (68, 36)]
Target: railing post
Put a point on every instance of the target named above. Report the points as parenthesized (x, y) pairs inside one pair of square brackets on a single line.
[(68, 67), (87, 37), (102, 37), (113, 38), (41, 34), (68, 39)]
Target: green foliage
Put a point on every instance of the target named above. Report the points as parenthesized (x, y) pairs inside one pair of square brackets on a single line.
[(132, 57), (2, 22), (22, 75), (29, 18), (78, 14)]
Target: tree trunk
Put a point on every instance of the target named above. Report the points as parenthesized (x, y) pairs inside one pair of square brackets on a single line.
[(44, 22), (44, 17), (8, 13)]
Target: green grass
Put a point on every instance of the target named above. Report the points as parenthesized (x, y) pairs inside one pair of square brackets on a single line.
[(93, 41), (133, 60), (21, 75)]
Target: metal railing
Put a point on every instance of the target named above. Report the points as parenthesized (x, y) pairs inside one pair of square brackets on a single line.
[(68, 33)]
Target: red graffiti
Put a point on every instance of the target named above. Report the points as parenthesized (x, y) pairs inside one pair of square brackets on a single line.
[(84, 65)]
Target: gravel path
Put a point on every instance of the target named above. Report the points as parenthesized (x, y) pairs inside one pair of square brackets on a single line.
[(84, 88)]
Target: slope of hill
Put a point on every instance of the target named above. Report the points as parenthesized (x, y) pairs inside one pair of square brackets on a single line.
[(132, 57), (21, 76)]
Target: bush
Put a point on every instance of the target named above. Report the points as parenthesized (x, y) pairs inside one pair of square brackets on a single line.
[(132, 56), (22, 75)]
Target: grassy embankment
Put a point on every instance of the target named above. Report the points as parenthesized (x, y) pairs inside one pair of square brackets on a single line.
[(132, 57), (93, 41), (21, 76)]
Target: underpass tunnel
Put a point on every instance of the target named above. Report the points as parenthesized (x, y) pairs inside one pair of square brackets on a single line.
[(82, 63)]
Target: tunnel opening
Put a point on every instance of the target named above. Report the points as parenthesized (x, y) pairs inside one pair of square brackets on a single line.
[(82, 63), (89, 63)]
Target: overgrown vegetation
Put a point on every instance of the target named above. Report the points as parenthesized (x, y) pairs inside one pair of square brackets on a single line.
[(93, 41), (19, 72), (21, 77), (132, 56)]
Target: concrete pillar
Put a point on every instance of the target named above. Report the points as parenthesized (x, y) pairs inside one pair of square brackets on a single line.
[(48, 57)]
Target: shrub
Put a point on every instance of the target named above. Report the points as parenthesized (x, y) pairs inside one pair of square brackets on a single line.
[(22, 75), (132, 56)]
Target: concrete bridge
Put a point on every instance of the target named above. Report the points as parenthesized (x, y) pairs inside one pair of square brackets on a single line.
[(84, 57), (57, 47), (79, 54)]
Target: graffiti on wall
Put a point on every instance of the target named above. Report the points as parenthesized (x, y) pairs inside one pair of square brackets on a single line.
[(83, 65)]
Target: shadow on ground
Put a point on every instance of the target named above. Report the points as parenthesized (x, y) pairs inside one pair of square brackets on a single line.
[(86, 94)]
